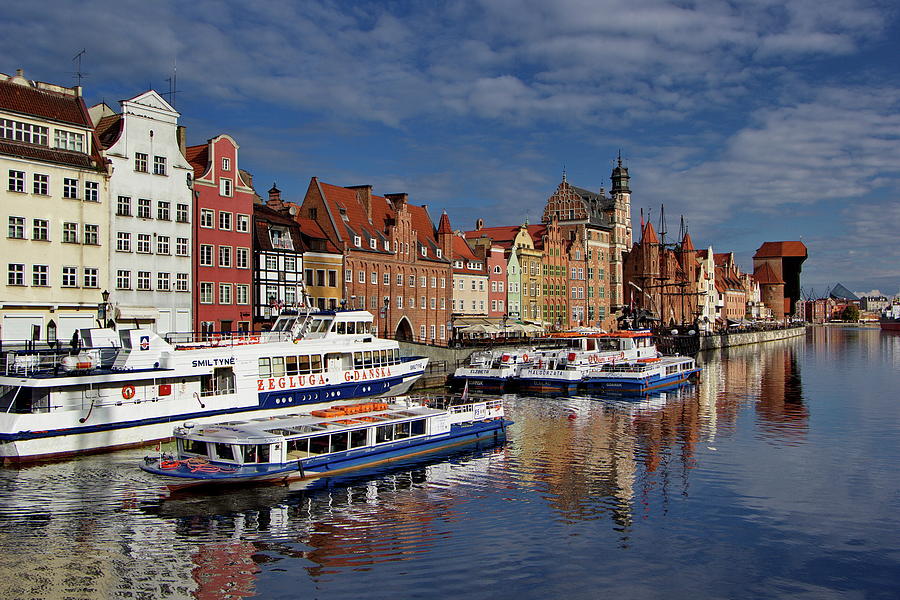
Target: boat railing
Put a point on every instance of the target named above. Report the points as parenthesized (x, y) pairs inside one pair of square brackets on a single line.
[(623, 367), (457, 404), (189, 340), (27, 362)]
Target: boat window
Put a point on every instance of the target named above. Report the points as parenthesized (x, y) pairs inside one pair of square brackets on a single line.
[(290, 365), (417, 427), (367, 327), (384, 433), (298, 448), (189, 446), (224, 451), (367, 358), (401, 430), (278, 366), (396, 353), (255, 453), (351, 328), (357, 360), (340, 328), (591, 344), (339, 441), (315, 363), (319, 444), (359, 438), (220, 382), (304, 365), (382, 357), (333, 361), (265, 367)]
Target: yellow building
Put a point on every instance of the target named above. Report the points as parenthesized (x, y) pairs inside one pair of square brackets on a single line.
[(54, 207)]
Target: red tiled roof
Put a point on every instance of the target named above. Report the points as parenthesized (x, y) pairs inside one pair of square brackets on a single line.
[(108, 129), (503, 236), (311, 229), (649, 234), (687, 244), (52, 155), (198, 157), (382, 217), (721, 258), (47, 104), (462, 250), (779, 249), (764, 274), (444, 226)]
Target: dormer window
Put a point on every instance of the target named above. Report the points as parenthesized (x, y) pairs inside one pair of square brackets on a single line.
[(226, 164), (439, 253), (373, 244), (387, 246), (280, 239), (424, 251), (357, 241)]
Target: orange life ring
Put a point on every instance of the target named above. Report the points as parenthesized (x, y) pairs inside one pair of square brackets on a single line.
[(525, 357), (128, 391)]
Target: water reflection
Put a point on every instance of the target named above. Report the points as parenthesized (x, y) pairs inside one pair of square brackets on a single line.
[(734, 465)]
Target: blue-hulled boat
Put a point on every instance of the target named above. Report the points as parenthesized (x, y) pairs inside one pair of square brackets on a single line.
[(325, 442), (641, 375)]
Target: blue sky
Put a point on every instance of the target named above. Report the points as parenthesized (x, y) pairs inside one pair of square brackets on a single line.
[(757, 120)]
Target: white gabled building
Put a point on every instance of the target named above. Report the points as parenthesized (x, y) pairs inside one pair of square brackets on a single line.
[(151, 199)]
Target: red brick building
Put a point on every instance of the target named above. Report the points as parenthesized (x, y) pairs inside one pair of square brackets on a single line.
[(395, 263), (223, 241), (778, 265)]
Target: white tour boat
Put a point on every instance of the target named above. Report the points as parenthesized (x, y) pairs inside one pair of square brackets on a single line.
[(562, 371), (640, 376), (130, 388), (494, 370), (325, 442)]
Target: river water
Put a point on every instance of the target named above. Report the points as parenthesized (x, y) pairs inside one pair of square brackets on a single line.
[(776, 475)]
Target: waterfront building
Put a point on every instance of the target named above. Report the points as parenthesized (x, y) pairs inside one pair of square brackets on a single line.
[(470, 280), (323, 266), (277, 262), (151, 205), (874, 304), (395, 263), (732, 288), (780, 282), (54, 205), (601, 224), (513, 284), (706, 290), (222, 239)]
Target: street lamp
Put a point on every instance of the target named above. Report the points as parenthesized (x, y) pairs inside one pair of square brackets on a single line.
[(103, 309)]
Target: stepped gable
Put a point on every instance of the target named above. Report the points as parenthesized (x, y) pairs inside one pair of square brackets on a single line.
[(766, 276), (781, 249)]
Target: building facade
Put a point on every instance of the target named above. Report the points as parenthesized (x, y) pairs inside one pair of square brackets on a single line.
[(222, 238), (396, 265), (151, 208), (54, 205), (277, 263)]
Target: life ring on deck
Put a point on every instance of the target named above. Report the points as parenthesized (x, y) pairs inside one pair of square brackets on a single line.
[(128, 391), (525, 357)]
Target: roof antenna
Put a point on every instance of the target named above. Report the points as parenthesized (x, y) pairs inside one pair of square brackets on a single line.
[(78, 73), (173, 85)]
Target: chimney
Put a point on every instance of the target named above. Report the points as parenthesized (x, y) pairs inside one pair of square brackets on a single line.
[(274, 198), (364, 197), (397, 199), (20, 72), (181, 134)]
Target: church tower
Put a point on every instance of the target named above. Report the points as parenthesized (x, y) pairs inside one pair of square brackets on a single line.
[(621, 195)]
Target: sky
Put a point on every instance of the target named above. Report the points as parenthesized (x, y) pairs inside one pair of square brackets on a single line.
[(755, 120)]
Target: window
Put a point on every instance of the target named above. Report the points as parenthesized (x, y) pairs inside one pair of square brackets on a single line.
[(181, 282), (15, 274), (140, 162), (374, 278), (242, 258), (225, 187), (143, 280), (123, 241), (162, 282), (348, 276), (224, 256), (91, 278), (373, 244), (423, 281), (123, 279), (40, 230), (143, 243), (399, 301), (181, 246), (92, 235), (123, 206), (206, 218), (91, 191), (143, 208), (411, 280), (182, 213), (225, 220), (68, 140), (23, 132), (162, 211), (162, 244), (206, 252), (422, 332), (159, 165), (226, 164), (39, 275), (272, 262), (70, 276), (16, 181), (243, 294), (386, 279), (362, 276), (243, 223), (332, 278), (206, 292), (290, 263), (17, 228), (399, 278), (357, 241), (41, 184), (70, 233)]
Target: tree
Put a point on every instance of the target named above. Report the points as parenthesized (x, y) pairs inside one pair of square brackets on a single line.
[(850, 313)]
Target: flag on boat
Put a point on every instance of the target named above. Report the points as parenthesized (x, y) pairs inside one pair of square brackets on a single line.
[(465, 392)]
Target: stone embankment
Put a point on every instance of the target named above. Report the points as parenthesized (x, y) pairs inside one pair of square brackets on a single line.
[(443, 361)]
